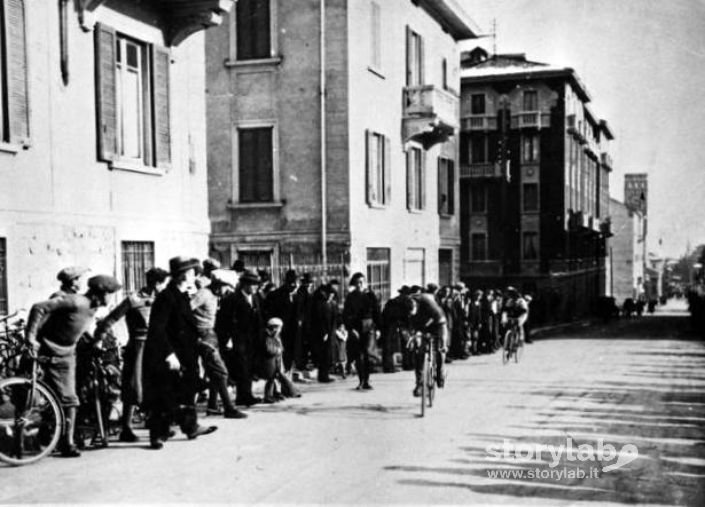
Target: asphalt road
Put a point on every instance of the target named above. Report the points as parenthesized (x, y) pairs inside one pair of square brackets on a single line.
[(636, 387)]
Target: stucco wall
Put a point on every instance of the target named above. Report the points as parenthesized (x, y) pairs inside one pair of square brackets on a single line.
[(58, 205)]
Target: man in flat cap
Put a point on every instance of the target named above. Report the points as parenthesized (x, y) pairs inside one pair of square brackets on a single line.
[(136, 309), (71, 280), (53, 328), (171, 358), (239, 327)]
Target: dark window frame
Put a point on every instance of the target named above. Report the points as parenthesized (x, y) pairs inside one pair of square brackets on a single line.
[(137, 258), (253, 30), (256, 161)]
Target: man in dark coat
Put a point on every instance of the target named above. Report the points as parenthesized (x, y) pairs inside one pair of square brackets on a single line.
[(171, 358), (395, 331), (322, 330), (282, 304), (362, 318), (239, 327)]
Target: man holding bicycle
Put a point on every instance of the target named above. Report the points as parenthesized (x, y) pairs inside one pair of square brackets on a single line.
[(427, 316), (53, 329)]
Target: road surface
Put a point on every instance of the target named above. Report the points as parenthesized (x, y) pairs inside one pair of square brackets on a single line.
[(636, 386)]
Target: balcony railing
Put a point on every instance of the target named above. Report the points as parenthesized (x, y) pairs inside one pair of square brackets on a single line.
[(531, 119), (566, 265), (430, 114), (485, 268), (481, 170), (471, 123)]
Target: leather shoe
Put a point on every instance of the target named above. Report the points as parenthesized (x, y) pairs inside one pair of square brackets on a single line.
[(214, 411), (70, 451), (234, 414), (127, 435), (253, 400), (156, 443), (417, 391), (366, 386), (200, 431), (326, 380)]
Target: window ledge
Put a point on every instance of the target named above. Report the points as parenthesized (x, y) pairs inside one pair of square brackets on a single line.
[(376, 72), (275, 60), (123, 165), (10, 148), (376, 206), (255, 205), (415, 211), (446, 215)]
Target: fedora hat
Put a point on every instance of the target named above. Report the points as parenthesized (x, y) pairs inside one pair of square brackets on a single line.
[(179, 264)]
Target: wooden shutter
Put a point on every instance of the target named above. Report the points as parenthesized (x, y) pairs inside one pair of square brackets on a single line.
[(422, 64), (106, 92), (387, 171), (17, 80), (451, 186), (161, 59), (409, 179), (369, 167), (442, 191), (422, 181), (409, 62)]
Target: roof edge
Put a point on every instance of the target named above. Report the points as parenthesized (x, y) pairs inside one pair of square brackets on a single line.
[(451, 17)]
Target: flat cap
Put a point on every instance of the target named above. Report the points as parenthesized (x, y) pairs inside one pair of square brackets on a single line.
[(71, 273), (103, 283), (249, 277)]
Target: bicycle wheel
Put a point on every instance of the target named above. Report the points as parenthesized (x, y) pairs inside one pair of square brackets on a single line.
[(507, 346), (30, 422), (431, 378), (518, 349), (424, 385)]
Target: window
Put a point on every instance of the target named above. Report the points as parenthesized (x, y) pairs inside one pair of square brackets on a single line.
[(255, 164), (415, 179), (477, 103), (531, 246), (530, 148), (133, 101), (379, 272), (137, 258), (478, 199), (415, 266), (3, 277), (531, 101), (375, 36), (444, 73), (478, 149), (257, 259), (253, 30), (379, 178), (414, 58), (478, 246), (14, 96), (531, 197), (446, 186)]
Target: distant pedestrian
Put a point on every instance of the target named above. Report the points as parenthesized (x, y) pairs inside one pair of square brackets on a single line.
[(362, 318)]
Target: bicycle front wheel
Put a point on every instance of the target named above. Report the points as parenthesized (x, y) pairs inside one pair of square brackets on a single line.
[(507, 346), (518, 350), (31, 421), (424, 384), (430, 378)]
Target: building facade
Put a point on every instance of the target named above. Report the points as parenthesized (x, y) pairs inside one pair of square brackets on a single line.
[(332, 137), (534, 188), (627, 248), (102, 139)]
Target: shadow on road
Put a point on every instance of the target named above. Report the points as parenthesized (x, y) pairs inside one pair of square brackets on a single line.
[(653, 404)]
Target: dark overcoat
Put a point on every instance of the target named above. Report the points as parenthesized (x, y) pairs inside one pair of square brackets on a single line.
[(241, 322)]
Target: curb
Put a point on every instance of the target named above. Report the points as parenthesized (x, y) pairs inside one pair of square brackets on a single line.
[(547, 331)]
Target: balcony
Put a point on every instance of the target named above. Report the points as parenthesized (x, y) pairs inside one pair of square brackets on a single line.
[(482, 170), (481, 123), (606, 160), (606, 228), (571, 124), (430, 115), (532, 119)]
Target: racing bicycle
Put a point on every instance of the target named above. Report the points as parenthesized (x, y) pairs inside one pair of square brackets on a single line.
[(512, 345)]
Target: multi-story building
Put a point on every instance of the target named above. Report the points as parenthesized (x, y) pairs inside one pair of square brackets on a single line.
[(102, 139), (534, 189), (331, 131), (626, 272)]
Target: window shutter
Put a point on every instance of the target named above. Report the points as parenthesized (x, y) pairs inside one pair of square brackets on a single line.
[(422, 79), (387, 171), (17, 82), (451, 187), (369, 163), (422, 181), (161, 59), (442, 193), (106, 92), (409, 56), (409, 179)]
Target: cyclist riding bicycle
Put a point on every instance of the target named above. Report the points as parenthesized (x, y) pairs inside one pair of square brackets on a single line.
[(426, 316), (516, 307)]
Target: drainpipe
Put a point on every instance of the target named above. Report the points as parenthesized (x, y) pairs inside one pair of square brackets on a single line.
[(324, 200)]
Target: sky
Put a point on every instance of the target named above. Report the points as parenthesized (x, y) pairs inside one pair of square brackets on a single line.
[(643, 63)]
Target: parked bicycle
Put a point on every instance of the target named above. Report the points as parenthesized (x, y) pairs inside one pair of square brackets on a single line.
[(512, 345)]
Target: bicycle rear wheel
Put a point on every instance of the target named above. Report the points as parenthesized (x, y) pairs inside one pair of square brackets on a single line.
[(518, 350), (507, 346), (30, 422)]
